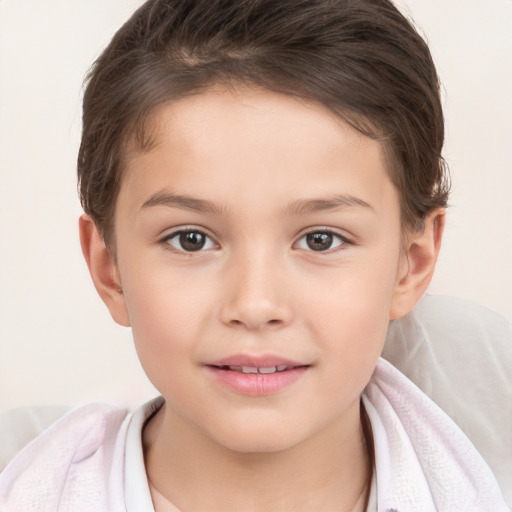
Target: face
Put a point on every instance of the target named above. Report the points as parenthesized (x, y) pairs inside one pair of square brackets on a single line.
[(258, 251)]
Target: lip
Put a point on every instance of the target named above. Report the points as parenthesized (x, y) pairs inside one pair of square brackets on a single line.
[(262, 361), (256, 384)]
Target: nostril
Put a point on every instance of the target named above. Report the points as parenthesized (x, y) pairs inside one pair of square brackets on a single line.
[(270, 323), (254, 314)]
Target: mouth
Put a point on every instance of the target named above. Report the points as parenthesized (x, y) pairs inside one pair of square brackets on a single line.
[(264, 370), (257, 376)]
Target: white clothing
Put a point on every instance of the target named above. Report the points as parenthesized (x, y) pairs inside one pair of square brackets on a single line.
[(460, 354), (423, 460), (91, 459), (136, 489)]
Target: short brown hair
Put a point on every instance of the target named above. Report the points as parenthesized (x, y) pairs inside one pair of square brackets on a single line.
[(361, 59)]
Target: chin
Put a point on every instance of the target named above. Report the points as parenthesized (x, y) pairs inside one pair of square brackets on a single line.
[(257, 439)]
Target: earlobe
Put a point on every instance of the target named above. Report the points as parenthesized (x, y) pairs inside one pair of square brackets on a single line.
[(103, 270), (419, 263)]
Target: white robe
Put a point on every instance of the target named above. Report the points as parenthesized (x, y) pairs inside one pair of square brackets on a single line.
[(423, 460)]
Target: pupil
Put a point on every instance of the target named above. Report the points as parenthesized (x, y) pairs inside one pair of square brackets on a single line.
[(192, 241), (319, 241)]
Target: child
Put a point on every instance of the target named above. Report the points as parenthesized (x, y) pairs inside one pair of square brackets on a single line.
[(263, 191)]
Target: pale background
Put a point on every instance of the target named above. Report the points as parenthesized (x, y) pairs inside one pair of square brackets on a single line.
[(57, 341)]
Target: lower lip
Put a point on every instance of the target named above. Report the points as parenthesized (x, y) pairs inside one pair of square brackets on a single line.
[(257, 384)]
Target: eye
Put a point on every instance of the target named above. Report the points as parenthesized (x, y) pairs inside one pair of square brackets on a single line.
[(189, 240), (320, 241)]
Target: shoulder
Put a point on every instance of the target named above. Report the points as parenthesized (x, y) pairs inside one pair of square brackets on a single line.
[(18, 427), (459, 353), (421, 456), (84, 445)]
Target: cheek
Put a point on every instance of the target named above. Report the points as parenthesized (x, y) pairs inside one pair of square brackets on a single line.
[(352, 312), (353, 339), (167, 314), (164, 340)]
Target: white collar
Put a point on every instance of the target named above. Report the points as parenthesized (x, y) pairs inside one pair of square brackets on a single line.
[(136, 488)]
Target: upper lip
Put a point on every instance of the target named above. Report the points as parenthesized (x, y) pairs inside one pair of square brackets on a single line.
[(258, 361)]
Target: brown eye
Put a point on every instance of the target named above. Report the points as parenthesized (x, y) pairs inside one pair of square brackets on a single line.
[(190, 241), (319, 241)]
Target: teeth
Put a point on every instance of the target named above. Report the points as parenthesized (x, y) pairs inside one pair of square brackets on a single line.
[(272, 369), (249, 369), (256, 369)]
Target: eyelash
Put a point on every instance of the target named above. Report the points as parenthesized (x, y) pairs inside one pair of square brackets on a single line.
[(183, 232), (210, 243), (343, 241)]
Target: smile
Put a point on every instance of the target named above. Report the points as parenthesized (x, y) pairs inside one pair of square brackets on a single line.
[(256, 369), (258, 376)]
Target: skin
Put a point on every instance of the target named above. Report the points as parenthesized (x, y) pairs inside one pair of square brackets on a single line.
[(268, 169)]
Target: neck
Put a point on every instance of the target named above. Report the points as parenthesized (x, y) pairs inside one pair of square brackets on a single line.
[(329, 471)]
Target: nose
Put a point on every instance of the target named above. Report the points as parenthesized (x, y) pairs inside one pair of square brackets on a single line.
[(255, 295)]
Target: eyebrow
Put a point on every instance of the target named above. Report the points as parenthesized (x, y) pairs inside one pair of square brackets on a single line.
[(183, 202), (307, 206), (298, 207)]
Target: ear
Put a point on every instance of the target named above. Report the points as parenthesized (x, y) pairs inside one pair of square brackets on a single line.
[(103, 270), (418, 264)]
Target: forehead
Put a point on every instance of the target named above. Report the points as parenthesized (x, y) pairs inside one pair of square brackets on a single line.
[(244, 138), (230, 106)]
